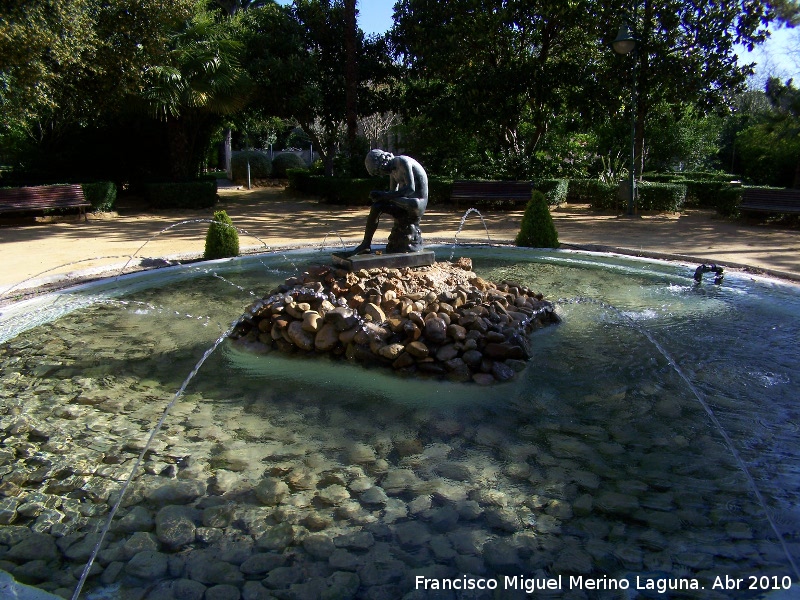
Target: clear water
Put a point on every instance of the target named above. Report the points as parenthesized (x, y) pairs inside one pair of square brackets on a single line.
[(598, 461)]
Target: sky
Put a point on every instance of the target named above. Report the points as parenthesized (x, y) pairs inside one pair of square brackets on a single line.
[(773, 58)]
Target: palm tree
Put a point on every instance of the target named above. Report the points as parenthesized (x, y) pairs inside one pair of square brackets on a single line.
[(200, 81)]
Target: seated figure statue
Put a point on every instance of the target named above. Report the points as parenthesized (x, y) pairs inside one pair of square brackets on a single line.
[(406, 201)]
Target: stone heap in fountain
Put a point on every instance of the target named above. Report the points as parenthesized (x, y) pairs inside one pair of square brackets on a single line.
[(441, 320)]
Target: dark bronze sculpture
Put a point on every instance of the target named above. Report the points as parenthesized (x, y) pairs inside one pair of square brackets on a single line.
[(406, 201)]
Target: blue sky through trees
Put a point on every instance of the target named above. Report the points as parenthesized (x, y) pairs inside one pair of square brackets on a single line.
[(779, 56)]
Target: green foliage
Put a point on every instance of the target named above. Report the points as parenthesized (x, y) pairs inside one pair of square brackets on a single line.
[(188, 194), (662, 197), (298, 180), (102, 195), (769, 149), (335, 190), (768, 154), (286, 160), (600, 195), (537, 229), (554, 190), (439, 190), (683, 137), (706, 194), (260, 166), (728, 200), (222, 239)]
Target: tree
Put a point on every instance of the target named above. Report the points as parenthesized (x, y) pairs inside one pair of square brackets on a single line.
[(769, 149), (686, 53), (199, 82), (495, 76), (300, 65), (490, 76), (69, 68), (351, 72)]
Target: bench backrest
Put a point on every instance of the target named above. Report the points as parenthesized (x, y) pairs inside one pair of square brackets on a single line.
[(44, 196), (777, 195), (492, 189)]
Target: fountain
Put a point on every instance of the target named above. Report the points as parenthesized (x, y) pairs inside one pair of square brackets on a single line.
[(649, 443)]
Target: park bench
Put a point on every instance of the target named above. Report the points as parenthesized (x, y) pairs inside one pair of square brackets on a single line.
[(773, 201), (489, 192), (42, 198)]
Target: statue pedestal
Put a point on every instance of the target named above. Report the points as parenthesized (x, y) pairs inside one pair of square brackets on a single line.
[(390, 261)]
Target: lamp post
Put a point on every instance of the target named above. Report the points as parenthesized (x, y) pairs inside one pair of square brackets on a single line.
[(625, 43)]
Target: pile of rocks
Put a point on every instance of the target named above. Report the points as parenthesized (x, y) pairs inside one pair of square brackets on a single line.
[(442, 320)]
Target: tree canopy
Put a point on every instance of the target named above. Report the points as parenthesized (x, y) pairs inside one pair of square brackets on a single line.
[(480, 87)]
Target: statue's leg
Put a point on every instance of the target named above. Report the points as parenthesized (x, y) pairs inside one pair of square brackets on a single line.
[(406, 235), (369, 231)]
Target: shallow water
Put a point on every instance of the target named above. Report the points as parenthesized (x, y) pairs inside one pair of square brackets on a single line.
[(599, 461)]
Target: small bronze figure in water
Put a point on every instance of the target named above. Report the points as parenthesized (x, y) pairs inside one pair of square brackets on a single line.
[(406, 201)]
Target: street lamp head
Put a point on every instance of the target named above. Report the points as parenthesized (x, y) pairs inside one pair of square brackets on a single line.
[(624, 42)]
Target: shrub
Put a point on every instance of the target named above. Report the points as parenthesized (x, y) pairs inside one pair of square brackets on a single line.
[(298, 180), (537, 229), (284, 161), (102, 195), (260, 166), (439, 190), (663, 177), (665, 197), (554, 190), (728, 200), (602, 196), (187, 194), (335, 190), (222, 239)]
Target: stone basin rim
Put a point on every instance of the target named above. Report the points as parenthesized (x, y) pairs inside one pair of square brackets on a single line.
[(90, 278)]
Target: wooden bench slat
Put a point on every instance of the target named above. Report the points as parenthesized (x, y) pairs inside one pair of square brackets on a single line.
[(40, 198), (491, 190), (775, 201)]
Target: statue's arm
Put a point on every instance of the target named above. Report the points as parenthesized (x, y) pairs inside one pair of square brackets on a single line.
[(401, 182)]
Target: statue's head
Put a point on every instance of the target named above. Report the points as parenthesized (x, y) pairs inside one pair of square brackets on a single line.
[(377, 160)]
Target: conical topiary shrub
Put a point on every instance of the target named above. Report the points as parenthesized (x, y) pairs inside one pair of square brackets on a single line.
[(222, 239), (537, 229)]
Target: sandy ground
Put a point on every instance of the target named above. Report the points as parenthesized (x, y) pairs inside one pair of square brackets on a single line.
[(36, 254)]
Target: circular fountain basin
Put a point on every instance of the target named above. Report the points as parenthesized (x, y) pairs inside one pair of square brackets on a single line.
[(651, 441)]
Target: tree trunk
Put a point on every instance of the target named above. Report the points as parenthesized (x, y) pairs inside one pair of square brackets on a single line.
[(642, 105), (228, 153), (179, 155), (351, 73), (796, 183)]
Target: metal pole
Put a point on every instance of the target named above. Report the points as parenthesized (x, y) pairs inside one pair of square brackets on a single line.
[(632, 174), (634, 110)]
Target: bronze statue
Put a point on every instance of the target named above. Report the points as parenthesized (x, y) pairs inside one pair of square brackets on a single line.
[(406, 201)]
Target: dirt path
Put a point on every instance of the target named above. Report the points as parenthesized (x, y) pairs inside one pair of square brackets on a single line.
[(36, 254)]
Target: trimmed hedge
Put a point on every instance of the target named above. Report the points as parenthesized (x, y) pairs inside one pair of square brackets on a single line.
[(602, 196), (222, 238), (260, 166), (554, 190), (728, 200), (343, 190), (102, 195), (681, 176), (187, 194), (440, 190), (334, 190), (663, 197), (705, 194), (286, 160), (537, 229)]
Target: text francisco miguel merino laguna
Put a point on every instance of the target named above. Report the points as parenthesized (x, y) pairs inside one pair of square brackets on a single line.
[(573, 582)]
